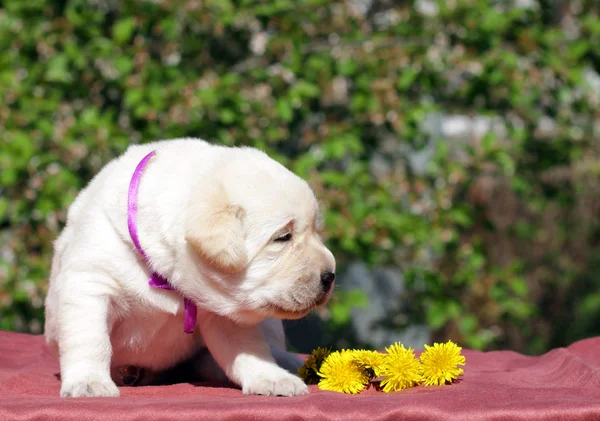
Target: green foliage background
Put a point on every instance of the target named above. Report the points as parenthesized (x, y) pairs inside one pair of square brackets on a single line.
[(498, 237)]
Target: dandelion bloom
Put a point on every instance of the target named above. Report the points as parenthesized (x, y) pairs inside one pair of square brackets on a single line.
[(310, 368), (401, 368), (439, 363), (372, 361), (340, 373)]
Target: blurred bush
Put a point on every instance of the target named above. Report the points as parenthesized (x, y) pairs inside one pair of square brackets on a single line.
[(457, 140)]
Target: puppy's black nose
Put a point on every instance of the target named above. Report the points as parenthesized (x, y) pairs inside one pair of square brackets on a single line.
[(327, 279)]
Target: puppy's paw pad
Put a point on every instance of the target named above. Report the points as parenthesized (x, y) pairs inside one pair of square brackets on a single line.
[(283, 384), (89, 387)]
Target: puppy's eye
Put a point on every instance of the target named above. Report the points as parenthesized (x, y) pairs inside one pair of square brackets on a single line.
[(284, 238)]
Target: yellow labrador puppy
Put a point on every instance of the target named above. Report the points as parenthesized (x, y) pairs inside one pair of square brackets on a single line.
[(181, 245)]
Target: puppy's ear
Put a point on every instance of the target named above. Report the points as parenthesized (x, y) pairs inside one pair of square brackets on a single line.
[(215, 231)]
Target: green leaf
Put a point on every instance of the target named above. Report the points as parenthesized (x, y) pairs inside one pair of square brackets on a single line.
[(519, 286), (347, 67), (468, 324), (406, 79), (123, 30), (303, 89), (439, 313), (227, 115), (284, 110), (58, 69), (124, 65), (461, 217), (345, 302), (133, 97)]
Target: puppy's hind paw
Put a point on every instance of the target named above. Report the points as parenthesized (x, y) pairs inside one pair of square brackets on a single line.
[(287, 361), (90, 386), (280, 383)]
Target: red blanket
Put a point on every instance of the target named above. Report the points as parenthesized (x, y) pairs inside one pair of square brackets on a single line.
[(563, 384)]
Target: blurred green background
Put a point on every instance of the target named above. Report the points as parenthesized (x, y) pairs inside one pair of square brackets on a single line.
[(456, 143)]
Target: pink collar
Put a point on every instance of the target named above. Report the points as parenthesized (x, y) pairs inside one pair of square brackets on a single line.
[(156, 280)]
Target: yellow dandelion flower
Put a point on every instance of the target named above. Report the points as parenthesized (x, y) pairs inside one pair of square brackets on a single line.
[(439, 363), (372, 361), (401, 368), (310, 368), (340, 373)]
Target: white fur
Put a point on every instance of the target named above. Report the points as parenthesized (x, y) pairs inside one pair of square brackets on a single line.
[(207, 216)]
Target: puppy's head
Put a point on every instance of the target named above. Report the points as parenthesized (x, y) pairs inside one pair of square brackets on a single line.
[(255, 230)]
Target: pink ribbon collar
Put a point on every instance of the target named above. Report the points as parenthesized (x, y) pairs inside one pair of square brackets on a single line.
[(156, 280)]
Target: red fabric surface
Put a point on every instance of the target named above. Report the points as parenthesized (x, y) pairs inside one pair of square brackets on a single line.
[(563, 384)]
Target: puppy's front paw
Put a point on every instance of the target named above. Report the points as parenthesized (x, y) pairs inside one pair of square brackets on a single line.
[(274, 383), (89, 386)]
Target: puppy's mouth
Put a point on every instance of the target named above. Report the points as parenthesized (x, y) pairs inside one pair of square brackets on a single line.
[(283, 312), (287, 314)]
